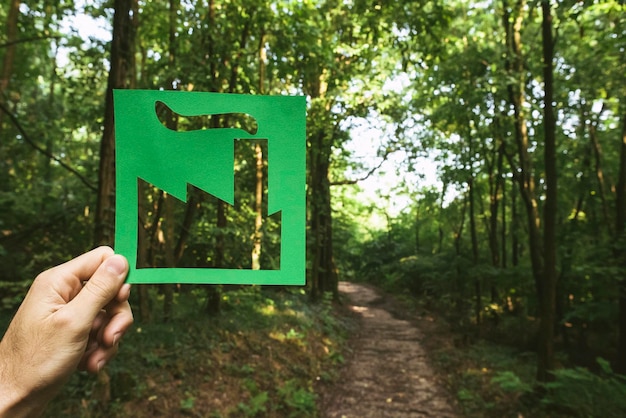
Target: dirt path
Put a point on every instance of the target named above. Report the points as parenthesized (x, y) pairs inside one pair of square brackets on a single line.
[(388, 375)]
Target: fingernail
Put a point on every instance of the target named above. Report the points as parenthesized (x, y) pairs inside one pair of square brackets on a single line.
[(116, 264), (116, 339), (126, 291), (101, 365)]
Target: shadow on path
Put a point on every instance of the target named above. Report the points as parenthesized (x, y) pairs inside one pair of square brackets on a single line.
[(388, 374)]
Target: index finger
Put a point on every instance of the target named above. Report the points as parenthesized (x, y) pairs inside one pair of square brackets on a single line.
[(67, 279), (85, 265)]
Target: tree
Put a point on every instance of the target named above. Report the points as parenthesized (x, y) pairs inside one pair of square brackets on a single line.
[(121, 72), (10, 46), (547, 288), (620, 249), (492, 101)]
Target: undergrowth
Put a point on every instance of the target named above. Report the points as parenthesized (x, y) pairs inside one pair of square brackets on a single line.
[(262, 356), (490, 379)]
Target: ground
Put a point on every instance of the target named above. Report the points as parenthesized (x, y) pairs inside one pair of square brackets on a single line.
[(388, 374), (274, 354)]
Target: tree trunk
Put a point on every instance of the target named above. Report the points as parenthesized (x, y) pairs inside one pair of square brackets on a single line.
[(514, 227), (193, 204), (122, 59), (501, 181), (9, 54), (417, 230), (495, 186), (258, 152), (459, 278), (169, 245), (258, 209), (145, 313), (472, 219), (213, 292), (504, 218), (620, 250), (525, 176), (440, 231), (547, 292), (170, 262), (323, 272), (478, 307), (495, 195), (545, 279), (597, 157)]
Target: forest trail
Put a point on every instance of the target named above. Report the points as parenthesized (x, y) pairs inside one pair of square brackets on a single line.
[(388, 374)]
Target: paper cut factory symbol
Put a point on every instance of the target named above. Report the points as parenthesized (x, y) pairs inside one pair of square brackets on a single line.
[(170, 160)]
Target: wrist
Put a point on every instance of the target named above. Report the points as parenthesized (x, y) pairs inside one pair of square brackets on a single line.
[(12, 405), (15, 401)]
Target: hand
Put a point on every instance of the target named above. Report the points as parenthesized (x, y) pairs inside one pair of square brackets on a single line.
[(72, 317)]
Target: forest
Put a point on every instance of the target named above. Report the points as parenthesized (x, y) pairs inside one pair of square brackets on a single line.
[(466, 157)]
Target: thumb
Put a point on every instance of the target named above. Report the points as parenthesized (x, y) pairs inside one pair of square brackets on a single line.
[(102, 287)]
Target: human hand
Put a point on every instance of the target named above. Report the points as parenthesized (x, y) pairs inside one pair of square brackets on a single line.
[(72, 317)]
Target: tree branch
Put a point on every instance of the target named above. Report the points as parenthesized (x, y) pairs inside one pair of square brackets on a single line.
[(345, 182), (38, 148), (24, 40)]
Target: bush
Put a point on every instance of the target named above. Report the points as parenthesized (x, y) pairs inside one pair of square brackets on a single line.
[(578, 392)]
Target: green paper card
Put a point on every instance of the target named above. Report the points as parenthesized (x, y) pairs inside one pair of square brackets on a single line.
[(171, 160)]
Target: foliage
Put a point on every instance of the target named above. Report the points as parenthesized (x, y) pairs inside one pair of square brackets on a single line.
[(579, 392), (492, 380), (262, 356), (12, 294)]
